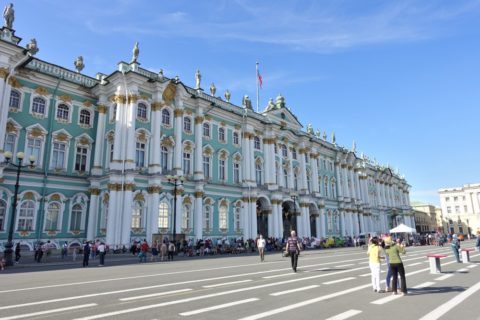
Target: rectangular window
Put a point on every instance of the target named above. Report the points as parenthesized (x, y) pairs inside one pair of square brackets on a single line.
[(10, 143), (447, 199), (34, 148), (221, 169), (81, 160), (455, 199), (235, 138), (294, 154), (449, 210), (465, 209), (186, 162), (236, 172), (140, 155), (306, 158), (206, 167), (58, 155), (76, 220), (457, 209)]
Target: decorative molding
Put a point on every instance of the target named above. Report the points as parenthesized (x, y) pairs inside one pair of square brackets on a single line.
[(118, 99), (41, 91), (11, 127), (178, 113), (61, 137), (3, 73), (65, 98), (198, 119), (198, 194), (101, 108), (14, 83), (94, 191), (87, 103), (156, 106), (154, 189), (169, 92)]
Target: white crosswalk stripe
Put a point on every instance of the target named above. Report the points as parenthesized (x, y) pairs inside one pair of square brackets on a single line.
[(221, 306)]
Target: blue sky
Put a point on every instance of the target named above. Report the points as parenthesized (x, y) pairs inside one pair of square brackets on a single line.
[(401, 78)]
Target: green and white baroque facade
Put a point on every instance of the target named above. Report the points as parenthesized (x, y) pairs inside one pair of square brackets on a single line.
[(105, 145)]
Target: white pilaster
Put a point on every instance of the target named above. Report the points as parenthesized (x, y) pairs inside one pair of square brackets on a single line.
[(198, 219), (198, 174), (92, 214), (155, 146), (177, 159), (100, 140)]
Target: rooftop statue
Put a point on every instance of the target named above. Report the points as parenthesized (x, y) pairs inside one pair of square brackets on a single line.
[(198, 80), (324, 136), (8, 16), (310, 129), (213, 89), (79, 65), (227, 95), (318, 133), (135, 53), (160, 74), (334, 140), (246, 102), (32, 47)]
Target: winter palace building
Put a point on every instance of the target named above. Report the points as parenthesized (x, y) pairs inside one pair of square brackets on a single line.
[(105, 146)]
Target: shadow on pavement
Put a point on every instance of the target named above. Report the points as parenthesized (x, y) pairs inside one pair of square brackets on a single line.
[(430, 290)]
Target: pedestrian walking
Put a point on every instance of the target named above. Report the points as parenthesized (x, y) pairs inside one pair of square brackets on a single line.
[(101, 250), (163, 250), (261, 247), (143, 251), (455, 244), (171, 250), (17, 252), (396, 265), (64, 250), (74, 254), (293, 249), (477, 244), (86, 253), (374, 256), (155, 250)]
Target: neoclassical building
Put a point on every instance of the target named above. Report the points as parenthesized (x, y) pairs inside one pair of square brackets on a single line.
[(104, 147)]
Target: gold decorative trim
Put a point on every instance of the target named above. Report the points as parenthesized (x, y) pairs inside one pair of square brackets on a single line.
[(36, 132), (177, 112), (87, 103), (101, 108), (94, 191), (3, 73), (61, 137), (132, 98), (65, 98), (169, 92), (199, 119), (198, 194), (154, 189), (118, 99), (28, 196), (14, 83), (156, 106), (41, 91), (139, 197), (11, 127)]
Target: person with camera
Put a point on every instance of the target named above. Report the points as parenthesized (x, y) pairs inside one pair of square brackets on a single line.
[(393, 250)]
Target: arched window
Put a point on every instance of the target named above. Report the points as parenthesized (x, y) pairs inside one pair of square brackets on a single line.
[(294, 153), (137, 215), (207, 217), (238, 210), (163, 215), (166, 117), (285, 178), (140, 151), (258, 173), (336, 222), (295, 181), (164, 158), (206, 130), (26, 215), (63, 112), (187, 209), (53, 213), (38, 105), (221, 134), (76, 217), (187, 162), (236, 138), (15, 99), (221, 169), (142, 111), (329, 222), (85, 117), (256, 143), (222, 217), (187, 124), (206, 166), (3, 209), (10, 140), (236, 172), (320, 185)]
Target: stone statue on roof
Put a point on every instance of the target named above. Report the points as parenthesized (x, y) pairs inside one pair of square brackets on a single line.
[(135, 52), (227, 95), (8, 16), (318, 133), (32, 47), (309, 128), (213, 89), (246, 102), (324, 135), (334, 140), (198, 80), (79, 65)]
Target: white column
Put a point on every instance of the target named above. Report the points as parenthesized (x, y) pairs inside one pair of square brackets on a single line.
[(131, 135), (303, 170), (92, 213), (177, 159), (315, 186), (126, 222), (111, 235), (99, 141), (152, 213), (340, 182), (356, 229), (290, 169), (246, 157), (362, 224), (253, 219), (179, 214), (246, 219), (279, 220), (345, 182), (5, 90), (198, 174), (323, 233), (251, 153), (119, 143), (269, 164), (271, 224), (155, 146), (349, 220), (342, 223), (300, 224), (198, 219)]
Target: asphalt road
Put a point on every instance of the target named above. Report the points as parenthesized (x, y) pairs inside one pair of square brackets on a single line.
[(330, 284)]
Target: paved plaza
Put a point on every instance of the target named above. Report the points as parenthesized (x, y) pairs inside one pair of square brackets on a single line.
[(329, 284)]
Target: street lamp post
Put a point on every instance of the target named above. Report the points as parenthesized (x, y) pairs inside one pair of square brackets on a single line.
[(176, 181), (8, 160)]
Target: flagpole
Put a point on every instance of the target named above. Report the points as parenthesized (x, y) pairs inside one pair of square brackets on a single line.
[(258, 84)]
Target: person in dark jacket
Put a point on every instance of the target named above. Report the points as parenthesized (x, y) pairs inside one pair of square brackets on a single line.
[(17, 252), (86, 253)]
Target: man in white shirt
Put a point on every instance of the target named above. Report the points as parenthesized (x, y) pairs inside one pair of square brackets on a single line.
[(101, 251), (261, 248)]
